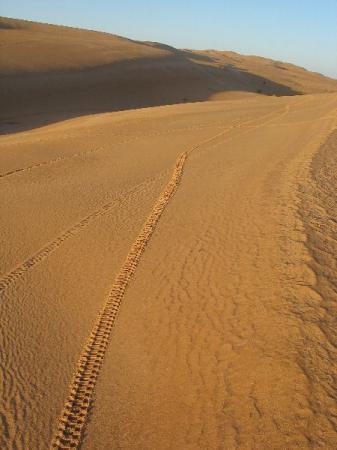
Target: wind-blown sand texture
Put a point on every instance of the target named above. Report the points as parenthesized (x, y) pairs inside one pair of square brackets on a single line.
[(168, 277)]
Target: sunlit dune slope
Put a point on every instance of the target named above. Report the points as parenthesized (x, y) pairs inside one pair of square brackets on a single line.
[(35, 47), (49, 72)]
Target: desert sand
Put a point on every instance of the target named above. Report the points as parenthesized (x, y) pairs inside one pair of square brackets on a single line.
[(168, 274), (50, 73)]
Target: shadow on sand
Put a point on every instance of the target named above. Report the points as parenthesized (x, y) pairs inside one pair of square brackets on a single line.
[(34, 99)]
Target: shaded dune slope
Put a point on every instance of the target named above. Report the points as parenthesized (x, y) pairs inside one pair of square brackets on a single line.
[(50, 73)]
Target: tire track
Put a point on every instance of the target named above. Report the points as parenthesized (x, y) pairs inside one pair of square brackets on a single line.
[(71, 423), (76, 408), (126, 141), (41, 254), (88, 152), (49, 248)]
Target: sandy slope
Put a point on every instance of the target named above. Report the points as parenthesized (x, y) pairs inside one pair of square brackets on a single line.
[(225, 337), (49, 73)]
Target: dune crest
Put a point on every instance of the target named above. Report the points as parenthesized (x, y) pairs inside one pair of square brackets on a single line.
[(50, 73)]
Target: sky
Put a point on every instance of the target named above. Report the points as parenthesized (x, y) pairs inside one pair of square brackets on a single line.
[(303, 32)]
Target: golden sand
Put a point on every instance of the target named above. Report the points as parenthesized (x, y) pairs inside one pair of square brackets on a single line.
[(168, 274)]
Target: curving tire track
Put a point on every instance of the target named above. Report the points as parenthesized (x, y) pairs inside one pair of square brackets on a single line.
[(76, 408), (73, 417)]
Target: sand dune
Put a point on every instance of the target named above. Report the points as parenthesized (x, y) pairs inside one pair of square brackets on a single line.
[(168, 274), (50, 73), (226, 295)]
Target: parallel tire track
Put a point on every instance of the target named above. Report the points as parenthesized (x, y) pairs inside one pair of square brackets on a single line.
[(95, 150), (73, 417), (220, 124), (41, 254)]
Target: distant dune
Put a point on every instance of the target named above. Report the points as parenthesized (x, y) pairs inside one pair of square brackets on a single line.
[(50, 72)]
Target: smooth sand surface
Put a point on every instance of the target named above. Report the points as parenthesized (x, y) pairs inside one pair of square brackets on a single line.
[(211, 229)]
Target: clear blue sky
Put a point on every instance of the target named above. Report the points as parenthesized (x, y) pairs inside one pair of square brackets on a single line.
[(300, 31)]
